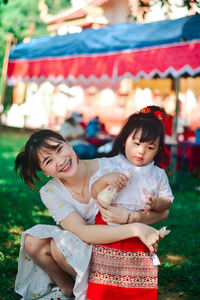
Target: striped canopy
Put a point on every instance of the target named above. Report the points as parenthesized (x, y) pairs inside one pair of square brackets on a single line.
[(103, 57)]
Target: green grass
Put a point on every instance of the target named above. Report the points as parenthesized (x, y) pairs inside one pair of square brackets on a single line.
[(21, 208), (179, 251)]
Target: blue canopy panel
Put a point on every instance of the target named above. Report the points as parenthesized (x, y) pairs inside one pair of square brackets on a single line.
[(106, 55)]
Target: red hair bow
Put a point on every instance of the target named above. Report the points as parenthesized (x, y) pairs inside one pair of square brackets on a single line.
[(157, 113), (145, 110)]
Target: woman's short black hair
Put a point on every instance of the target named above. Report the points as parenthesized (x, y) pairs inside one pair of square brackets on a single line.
[(151, 127), (27, 160)]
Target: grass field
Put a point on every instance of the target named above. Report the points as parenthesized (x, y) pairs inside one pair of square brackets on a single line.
[(179, 274)]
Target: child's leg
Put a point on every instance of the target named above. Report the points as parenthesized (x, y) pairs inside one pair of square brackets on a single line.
[(43, 252)]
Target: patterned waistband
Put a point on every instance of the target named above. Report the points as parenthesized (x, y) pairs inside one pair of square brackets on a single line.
[(122, 268)]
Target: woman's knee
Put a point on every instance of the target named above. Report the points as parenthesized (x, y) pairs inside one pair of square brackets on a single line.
[(56, 253), (60, 259), (34, 245)]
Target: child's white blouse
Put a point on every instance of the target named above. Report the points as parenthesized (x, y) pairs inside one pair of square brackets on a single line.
[(149, 177)]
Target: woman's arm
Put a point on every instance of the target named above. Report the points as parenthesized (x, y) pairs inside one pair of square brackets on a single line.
[(103, 234), (121, 215), (148, 218)]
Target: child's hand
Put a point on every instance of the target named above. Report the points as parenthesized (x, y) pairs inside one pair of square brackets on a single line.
[(118, 180), (150, 201)]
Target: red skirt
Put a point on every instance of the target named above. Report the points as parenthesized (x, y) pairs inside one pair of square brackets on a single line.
[(122, 270)]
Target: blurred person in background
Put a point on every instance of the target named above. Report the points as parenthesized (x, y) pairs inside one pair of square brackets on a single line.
[(96, 133), (73, 131), (93, 127)]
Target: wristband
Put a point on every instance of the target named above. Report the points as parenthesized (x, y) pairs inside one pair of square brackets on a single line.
[(129, 214)]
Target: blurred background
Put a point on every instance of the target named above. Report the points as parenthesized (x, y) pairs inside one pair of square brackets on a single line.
[(35, 100)]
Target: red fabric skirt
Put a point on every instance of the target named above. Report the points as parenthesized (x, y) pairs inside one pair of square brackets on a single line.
[(122, 271)]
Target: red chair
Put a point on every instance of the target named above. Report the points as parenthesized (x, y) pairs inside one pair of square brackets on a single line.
[(187, 136)]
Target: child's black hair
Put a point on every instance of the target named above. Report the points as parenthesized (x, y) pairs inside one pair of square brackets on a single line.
[(152, 127)]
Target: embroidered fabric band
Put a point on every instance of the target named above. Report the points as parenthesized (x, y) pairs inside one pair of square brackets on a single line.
[(122, 268)]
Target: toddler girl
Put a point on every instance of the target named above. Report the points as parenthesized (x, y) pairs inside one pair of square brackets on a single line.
[(140, 148)]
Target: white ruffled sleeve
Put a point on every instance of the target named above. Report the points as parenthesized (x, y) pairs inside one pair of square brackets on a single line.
[(164, 189), (100, 172), (57, 202)]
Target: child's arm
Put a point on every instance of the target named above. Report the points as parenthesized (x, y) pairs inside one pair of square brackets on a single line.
[(149, 218), (158, 204), (118, 180)]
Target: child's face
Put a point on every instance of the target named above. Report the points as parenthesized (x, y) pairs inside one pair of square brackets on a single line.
[(138, 153)]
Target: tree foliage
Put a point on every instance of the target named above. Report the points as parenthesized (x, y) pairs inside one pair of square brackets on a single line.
[(22, 18), (56, 6), (189, 4), (184, 3), (17, 17)]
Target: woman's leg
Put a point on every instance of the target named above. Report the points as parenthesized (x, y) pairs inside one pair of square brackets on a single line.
[(61, 261), (44, 252)]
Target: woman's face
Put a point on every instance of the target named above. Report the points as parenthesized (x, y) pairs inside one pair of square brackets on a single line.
[(60, 162), (140, 153)]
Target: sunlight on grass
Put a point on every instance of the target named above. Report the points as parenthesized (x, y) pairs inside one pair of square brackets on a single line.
[(2, 257), (38, 212), (10, 244), (175, 258), (172, 259), (4, 181), (7, 155), (16, 230)]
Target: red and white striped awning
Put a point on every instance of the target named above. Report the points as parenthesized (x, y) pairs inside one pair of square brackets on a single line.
[(105, 56)]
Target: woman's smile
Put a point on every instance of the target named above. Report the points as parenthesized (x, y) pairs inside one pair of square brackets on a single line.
[(67, 167)]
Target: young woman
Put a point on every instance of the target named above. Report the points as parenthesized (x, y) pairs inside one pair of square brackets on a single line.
[(125, 269), (61, 254)]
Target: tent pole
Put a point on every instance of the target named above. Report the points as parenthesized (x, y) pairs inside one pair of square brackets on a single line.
[(9, 39), (173, 158), (175, 123)]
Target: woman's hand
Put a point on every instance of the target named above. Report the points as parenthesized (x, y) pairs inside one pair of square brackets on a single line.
[(148, 235), (115, 213)]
